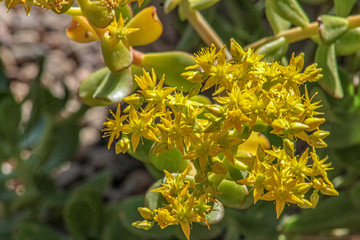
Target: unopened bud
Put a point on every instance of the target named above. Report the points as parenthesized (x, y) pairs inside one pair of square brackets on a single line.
[(146, 213), (314, 123), (297, 127), (123, 145), (146, 225), (215, 109)]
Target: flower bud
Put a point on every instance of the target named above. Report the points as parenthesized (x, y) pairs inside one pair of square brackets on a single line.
[(314, 122), (215, 109), (123, 145), (289, 147), (146, 213), (146, 225), (297, 127)]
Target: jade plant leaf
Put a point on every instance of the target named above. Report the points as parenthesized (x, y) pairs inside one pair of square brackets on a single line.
[(343, 7), (89, 85), (178, 61), (277, 23), (81, 31), (331, 28), (201, 4), (98, 15), (149, 25), (117, 57), (326, 59), (31, 230), (274, 50), (291, 11), (231, 194), (115, 86), (349, 43), (171, 160)]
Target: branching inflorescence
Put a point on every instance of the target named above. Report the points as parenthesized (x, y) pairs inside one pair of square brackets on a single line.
[(249, 92)]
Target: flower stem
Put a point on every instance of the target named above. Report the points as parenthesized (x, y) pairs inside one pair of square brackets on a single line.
[(74, 11), (203, 28), (298, 33)]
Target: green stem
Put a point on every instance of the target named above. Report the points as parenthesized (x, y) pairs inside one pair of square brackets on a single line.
[(203, 28), (297, 34), (74, 11)]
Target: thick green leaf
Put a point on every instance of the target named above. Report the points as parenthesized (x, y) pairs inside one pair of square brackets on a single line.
[(331, 28), (10, 115), (98, 183), (231, 194), (30, 230), (349, 43), (98, 15), (277, 23), (336, 212), (274, 50), (178, 61), (326, 59), (291, 11), (89, 85), (201, 4), (343, 7), (117, 56), (261, 216), (115, 86), (83, 214), (113, 228), (171, 160), (217, 214), (142, 152), (129, 214), (169, 5)]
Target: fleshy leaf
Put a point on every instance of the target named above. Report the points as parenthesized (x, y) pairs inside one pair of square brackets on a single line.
[(231, 193), (81, 31), (115, 86), (291, 11), (98, 15), (149, 25), (217, 214), (277, 23), (89, 85), (171, 160), (343, 7), (349, 43), (331, 28), (169, 5), (178, 62), (201, 4), (325, 57), (116, 57), (274, 50)]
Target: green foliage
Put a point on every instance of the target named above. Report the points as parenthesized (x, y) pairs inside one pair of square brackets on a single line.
[(38, 146)]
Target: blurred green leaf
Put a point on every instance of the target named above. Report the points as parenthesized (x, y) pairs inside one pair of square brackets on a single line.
[(201, 4), (335, 212), (178, 61), (277, 23), (343, 7), (326, 59), (291, 11), (10, 116), (274, 50), (97, 183), (142, 152), (113, 228), (349, 43), (83, 214), (129, 214), (331, 28), (35, 231)]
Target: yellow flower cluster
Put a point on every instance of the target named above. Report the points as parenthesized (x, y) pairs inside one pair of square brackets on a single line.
[(182, 208), (251, 95)]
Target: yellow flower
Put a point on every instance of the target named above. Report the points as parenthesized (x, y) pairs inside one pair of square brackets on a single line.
[(140, 126), (113, 126)]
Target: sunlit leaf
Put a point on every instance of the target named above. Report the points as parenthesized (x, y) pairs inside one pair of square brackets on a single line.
[(326, 59), (343, 7), (331, 28), (149, 25)]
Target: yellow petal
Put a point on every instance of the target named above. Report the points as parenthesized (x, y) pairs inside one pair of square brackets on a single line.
[(185, 226), (150, 28), (81, 31)]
